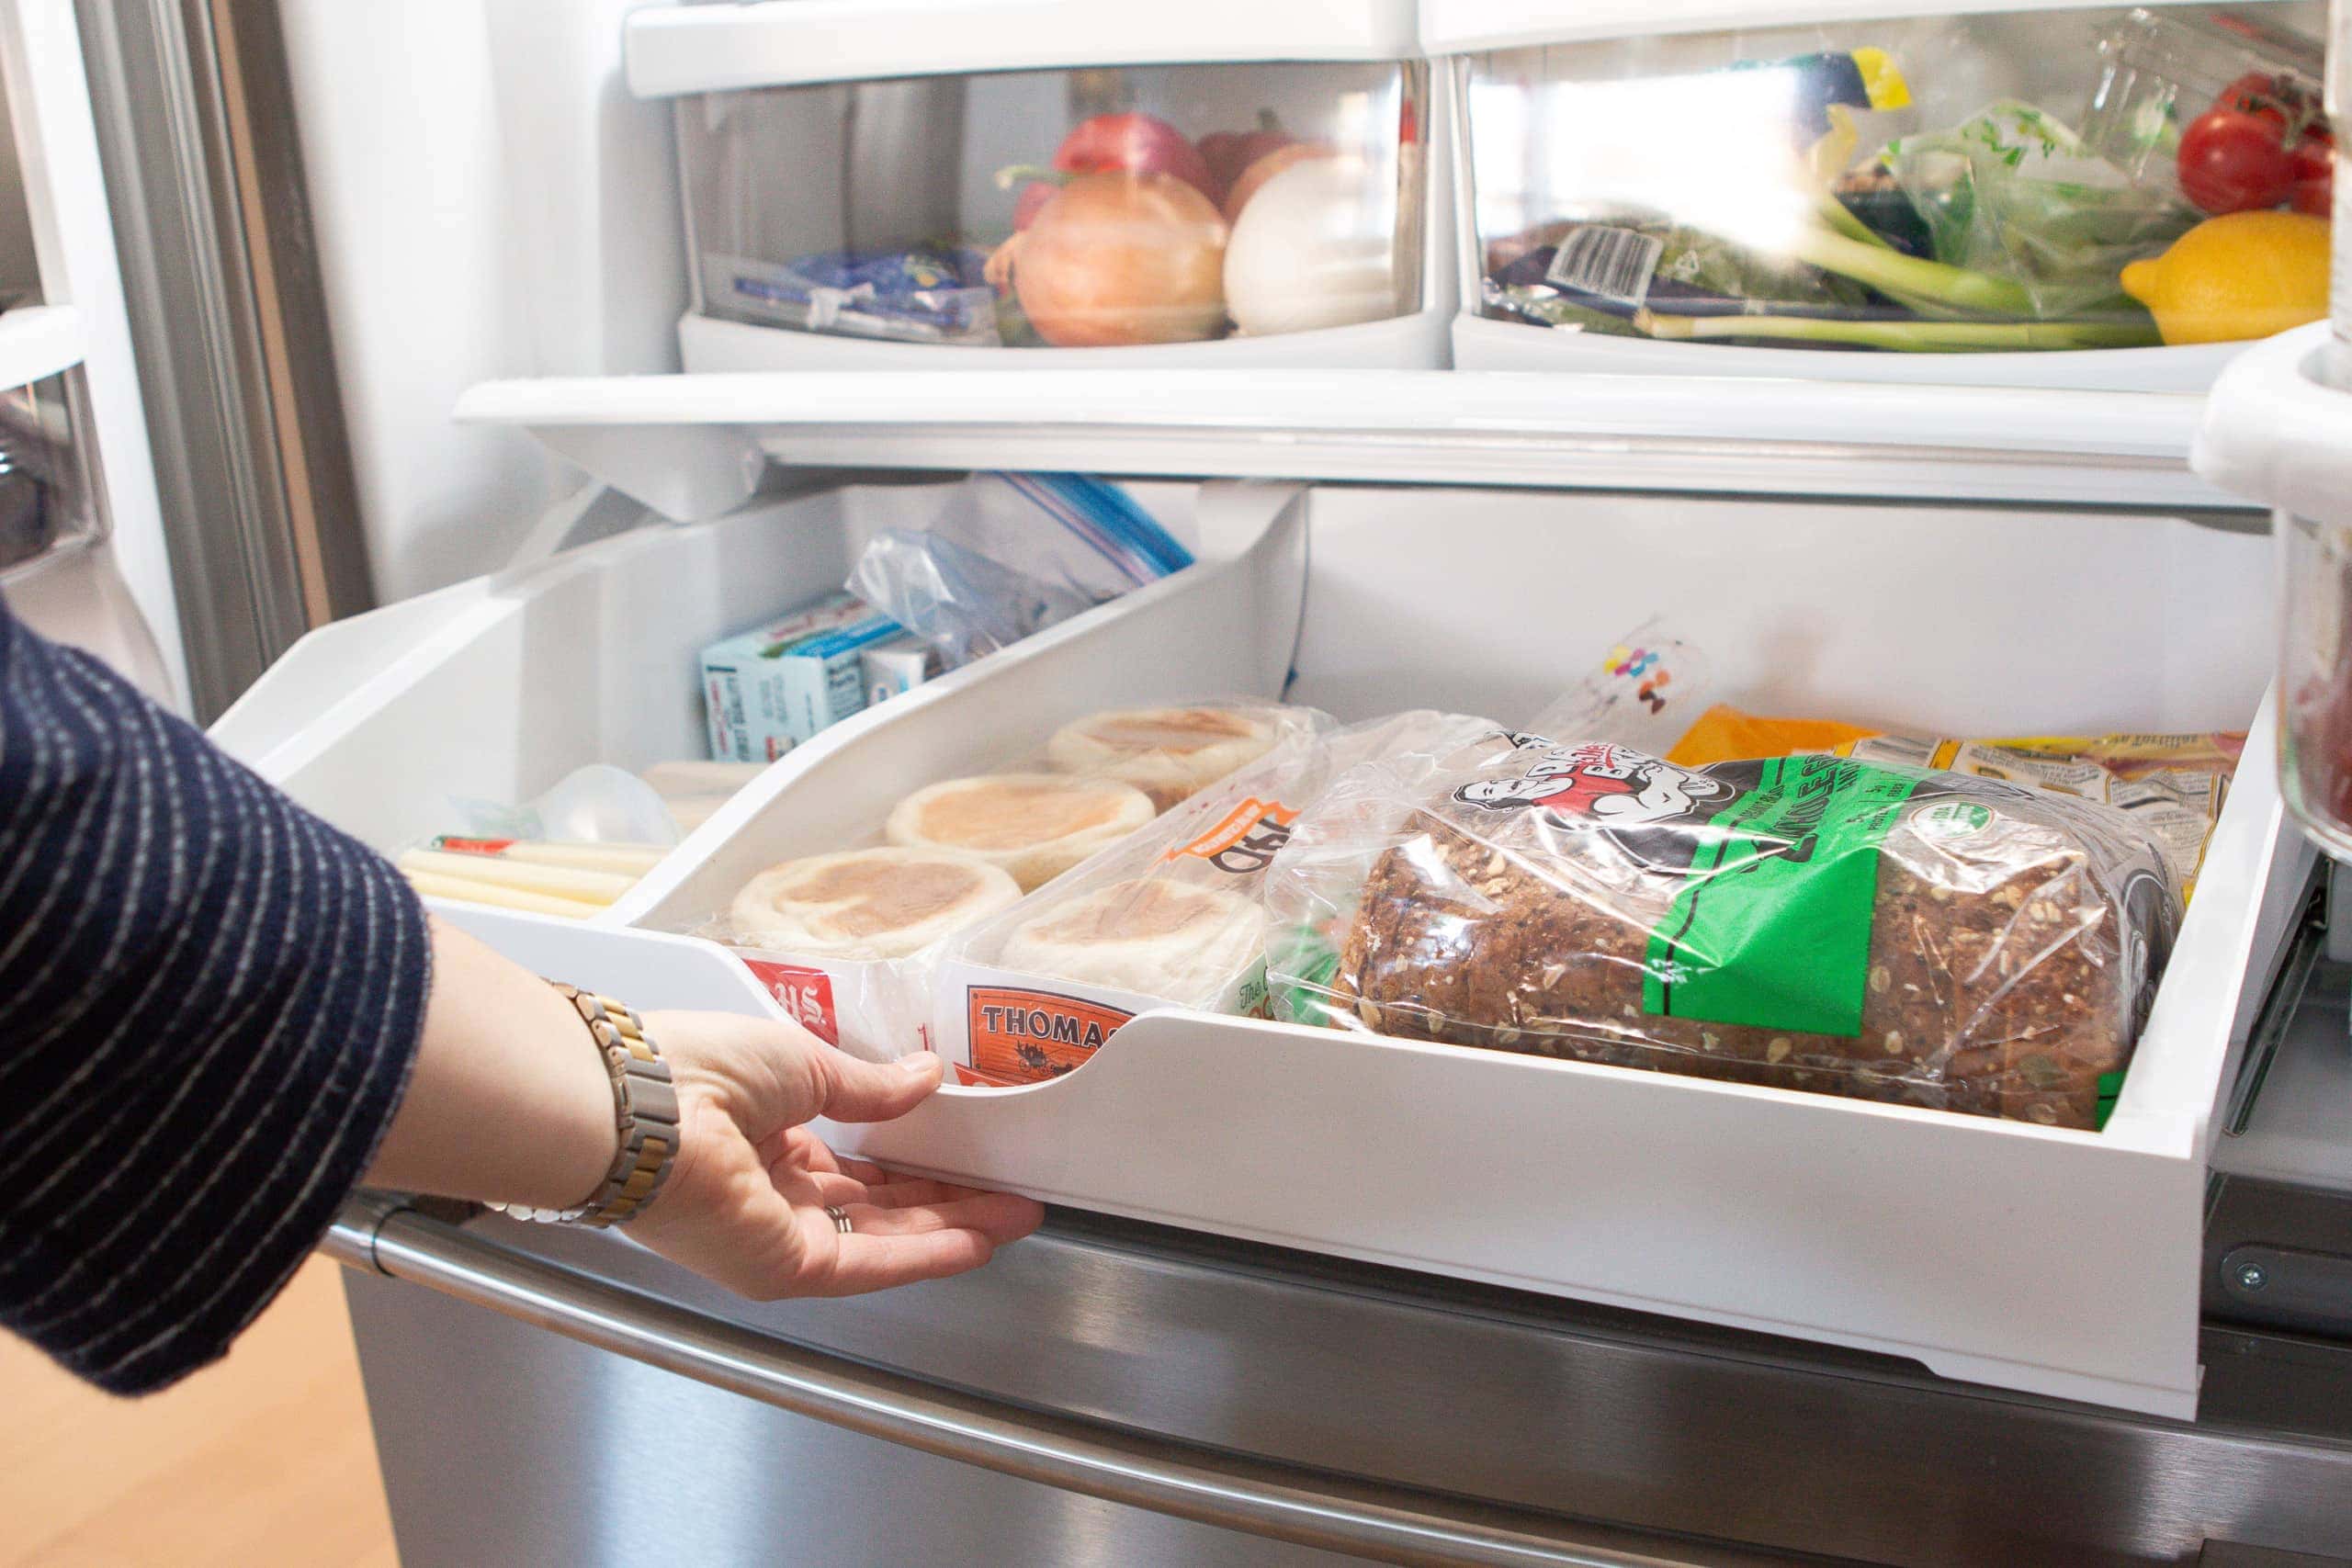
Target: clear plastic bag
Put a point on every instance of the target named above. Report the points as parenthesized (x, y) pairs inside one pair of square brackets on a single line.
[(1646, 690), (2013, 194), (1008, 554), (849, 939), (1811, 923)]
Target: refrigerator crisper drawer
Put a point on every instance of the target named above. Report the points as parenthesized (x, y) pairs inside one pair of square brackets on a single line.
[(851, 204), (1852, 191), (2060, 1262)]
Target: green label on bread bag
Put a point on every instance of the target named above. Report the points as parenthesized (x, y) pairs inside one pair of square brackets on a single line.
[(1777, 862), (1772, 928)]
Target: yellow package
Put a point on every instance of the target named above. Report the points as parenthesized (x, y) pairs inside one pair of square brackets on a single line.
[(2172, 784), (1727, 735)]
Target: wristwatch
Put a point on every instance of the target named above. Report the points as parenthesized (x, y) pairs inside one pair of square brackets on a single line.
[(645, 1103)]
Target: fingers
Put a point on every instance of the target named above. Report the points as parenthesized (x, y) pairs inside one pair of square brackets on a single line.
[(910, 1192), (852, 1090), (865, 1263), (1000, 1216)]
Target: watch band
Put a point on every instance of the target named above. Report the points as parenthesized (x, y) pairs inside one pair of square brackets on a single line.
[(644, 1104)]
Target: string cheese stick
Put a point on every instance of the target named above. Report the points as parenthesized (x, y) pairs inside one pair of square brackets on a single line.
[(562, 881), (436, 885), (627, 860)]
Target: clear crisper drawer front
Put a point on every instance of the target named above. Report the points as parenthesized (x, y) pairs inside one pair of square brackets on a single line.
[(2085, 197), (1134, 208)]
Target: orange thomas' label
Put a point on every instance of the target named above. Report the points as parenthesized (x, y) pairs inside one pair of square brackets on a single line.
[(473, 846), (1027, 1036), (1244, 840), (806, 995)]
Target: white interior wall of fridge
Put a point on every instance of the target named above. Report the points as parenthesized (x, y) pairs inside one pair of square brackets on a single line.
[(489, 200)]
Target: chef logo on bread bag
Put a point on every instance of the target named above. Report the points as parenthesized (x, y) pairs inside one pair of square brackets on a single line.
[(1582, 786)]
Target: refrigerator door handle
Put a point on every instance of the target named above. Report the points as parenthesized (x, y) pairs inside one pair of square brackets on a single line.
[(387, 1236)]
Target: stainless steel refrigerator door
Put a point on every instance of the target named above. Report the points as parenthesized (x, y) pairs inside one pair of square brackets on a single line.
[(1363, 1408)]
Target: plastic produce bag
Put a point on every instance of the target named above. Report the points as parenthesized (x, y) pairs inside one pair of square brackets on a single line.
[(598, 804), (2012, 193), (1008, 554), (925, 294), (1808, 923)]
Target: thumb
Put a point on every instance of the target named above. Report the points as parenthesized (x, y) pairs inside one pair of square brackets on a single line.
[(853, 1089)]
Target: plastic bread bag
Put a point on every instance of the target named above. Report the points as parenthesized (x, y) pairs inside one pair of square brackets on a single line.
[(1812, 923), (847, 938), (2172, 786), (1010, 554), (1646, 690), (1173, 914)]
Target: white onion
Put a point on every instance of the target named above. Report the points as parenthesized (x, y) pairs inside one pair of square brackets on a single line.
[(1315, 247)]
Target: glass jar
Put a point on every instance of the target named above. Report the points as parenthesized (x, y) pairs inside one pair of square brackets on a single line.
[(2338, 366), (2315, 679)]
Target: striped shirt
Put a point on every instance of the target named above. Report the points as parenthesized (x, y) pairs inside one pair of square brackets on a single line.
[(208, 1003)]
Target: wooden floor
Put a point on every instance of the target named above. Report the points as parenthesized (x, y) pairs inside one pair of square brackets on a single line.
[(264, 1459)]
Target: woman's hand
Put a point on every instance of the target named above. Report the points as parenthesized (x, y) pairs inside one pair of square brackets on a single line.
[(745, 1203)]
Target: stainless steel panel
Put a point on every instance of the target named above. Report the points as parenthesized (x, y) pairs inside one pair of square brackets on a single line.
[(1266, 1499), (236, 370), (1396, 1380), (502, 1444)]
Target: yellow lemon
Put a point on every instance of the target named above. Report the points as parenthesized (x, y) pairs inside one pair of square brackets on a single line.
[(2244, 275)]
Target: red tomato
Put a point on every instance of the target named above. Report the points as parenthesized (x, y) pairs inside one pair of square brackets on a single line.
[(2315, 162), (2234, 162), (2254, 93)]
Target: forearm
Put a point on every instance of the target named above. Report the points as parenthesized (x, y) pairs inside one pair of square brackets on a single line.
[(509, 1101)]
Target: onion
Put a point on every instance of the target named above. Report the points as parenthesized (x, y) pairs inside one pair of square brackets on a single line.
[(1316, 248), (1119, 259), (1251, 180)]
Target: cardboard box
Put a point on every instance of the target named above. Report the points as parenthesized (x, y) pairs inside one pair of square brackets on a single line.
[(770, 689)]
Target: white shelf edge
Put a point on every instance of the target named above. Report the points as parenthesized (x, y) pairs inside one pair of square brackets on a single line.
[(679, 49), (693, 445), (1464, 27), (38, 342)]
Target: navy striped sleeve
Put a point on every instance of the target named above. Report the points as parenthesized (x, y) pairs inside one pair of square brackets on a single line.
[(210, 1000)]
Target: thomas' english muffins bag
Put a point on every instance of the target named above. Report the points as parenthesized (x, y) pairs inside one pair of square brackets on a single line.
[(1170, 915), (847, 938)]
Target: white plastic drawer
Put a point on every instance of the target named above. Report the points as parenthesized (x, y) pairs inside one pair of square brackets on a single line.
[(1627, 180), (2060, 1262)]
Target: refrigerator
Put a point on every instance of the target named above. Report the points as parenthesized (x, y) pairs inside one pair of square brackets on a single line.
[(641, 322)]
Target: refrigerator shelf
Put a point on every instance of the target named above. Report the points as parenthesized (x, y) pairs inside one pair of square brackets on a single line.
[(694, 447), (2062, 1263), (706, 48), (1450, 26)]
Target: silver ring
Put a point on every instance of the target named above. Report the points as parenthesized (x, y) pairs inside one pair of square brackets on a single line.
[(840, 1217)]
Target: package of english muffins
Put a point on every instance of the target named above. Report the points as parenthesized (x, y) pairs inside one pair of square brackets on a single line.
[(1811, 922), (1172, 916), (848, 941)]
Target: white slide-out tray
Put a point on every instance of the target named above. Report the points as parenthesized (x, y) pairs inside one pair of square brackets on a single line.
[(2059, 1262)]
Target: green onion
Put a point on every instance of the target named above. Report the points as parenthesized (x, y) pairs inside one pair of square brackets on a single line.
[(1892, 271), (1917, 337)]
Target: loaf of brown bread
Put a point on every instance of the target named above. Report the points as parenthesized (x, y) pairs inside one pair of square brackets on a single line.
[(1812, 923)]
